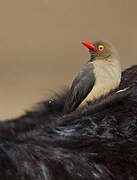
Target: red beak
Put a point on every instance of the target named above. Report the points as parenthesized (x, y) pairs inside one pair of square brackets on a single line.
[(89, 45)]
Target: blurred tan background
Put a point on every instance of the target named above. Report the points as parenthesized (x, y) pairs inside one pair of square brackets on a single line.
[(40, 48)]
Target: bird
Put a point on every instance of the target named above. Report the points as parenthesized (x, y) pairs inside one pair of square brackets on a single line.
[(100, 75)]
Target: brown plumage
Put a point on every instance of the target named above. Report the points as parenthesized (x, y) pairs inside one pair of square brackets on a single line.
[(100, 75)]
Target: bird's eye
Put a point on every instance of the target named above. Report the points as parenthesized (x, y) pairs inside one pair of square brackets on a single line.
[(100, 47)]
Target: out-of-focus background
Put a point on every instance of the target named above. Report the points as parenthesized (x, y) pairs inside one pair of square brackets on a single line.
[(40, 48)]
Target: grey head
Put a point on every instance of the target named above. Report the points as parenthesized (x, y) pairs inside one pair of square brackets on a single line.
[(100, 50)]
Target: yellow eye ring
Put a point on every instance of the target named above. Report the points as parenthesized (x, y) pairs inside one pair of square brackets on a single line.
[(100, 47)]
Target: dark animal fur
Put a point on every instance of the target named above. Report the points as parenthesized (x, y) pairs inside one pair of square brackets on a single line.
[(96, 142)]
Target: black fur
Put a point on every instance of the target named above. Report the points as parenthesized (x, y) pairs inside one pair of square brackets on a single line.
[(96, 142)]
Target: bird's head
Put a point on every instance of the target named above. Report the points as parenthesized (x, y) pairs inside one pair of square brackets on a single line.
[(100, 50)]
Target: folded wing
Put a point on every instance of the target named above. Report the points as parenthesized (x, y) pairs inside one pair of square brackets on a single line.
[(81, 86)]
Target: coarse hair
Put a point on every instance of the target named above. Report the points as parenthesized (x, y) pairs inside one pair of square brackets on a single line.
[(95, 142)]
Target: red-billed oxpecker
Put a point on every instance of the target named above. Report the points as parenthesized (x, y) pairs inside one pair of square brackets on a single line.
[(100, 75)]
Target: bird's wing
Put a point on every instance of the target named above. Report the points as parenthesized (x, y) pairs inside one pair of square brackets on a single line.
[(81, 86)]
